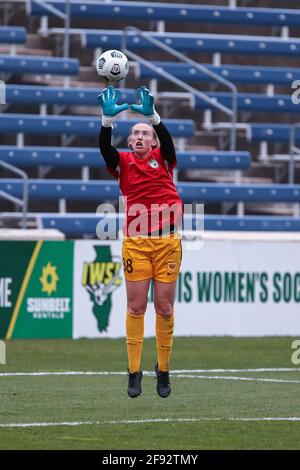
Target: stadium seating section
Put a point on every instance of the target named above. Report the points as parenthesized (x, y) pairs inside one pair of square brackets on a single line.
[(79, 157), (42, 65), (77, 224), (80, 125), (88, 97), (191, 42), (256, 53), (164, 11), (189, 192), (234, 73)]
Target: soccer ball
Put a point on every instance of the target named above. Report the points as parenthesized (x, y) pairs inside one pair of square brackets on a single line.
[(112, 66)]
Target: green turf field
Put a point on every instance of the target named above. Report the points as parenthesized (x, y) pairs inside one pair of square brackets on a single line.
[(204, 411)]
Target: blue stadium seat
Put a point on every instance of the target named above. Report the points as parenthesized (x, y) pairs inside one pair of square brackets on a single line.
[(234, 73), (97, 190), (253, 102), (42, 189), (57, 95), (211, 192), (192, 42), (80, 224), (252, 223), (225, 160), (271, 132), (79, 157), (12, 35), (164, 11), (44, 65), (88, 97), (80, 125)]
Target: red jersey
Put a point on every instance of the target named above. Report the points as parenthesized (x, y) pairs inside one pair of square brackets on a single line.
[(150, 196)]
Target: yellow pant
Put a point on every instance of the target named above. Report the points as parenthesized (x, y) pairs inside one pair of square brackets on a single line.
[(152, 258)]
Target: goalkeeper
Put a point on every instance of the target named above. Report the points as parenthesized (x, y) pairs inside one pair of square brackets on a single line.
[(153, 206)]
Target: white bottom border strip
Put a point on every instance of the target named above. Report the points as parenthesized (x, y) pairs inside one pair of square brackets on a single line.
[(148, 421)]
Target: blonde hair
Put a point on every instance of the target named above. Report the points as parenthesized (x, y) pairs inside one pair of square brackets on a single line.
[(153, 131)]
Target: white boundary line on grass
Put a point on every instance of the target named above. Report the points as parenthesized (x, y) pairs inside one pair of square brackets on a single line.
[(223, 377), (265, 369), (150, 373), (146, 421), (46, 374)]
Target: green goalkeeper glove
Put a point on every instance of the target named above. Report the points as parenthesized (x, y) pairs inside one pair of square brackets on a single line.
[(108, 101), (147, 105)]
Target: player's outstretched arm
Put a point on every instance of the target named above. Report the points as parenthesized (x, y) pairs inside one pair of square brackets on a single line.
[(108, 152), (167, 147), (147, 108), (108, 101)]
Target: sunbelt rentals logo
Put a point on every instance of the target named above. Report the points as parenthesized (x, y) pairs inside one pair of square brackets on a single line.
[(101, 278), (47, 305), (49, 279)]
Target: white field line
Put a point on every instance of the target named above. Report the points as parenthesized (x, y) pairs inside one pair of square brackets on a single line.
[(46, 374), (224, 377), (150, 373), (145, 421), (146, 373), (265, 369)]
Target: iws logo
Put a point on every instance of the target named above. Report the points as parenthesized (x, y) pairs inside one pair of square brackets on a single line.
[(101, 278)]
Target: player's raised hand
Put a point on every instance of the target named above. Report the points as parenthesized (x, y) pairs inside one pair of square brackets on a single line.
[(108, 101), (147, 102), (146, 107)]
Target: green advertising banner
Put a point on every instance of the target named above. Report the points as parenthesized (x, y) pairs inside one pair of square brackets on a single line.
[(36, 289)]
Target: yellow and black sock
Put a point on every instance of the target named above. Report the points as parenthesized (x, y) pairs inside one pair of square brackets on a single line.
[(134, 340), (164, 339)]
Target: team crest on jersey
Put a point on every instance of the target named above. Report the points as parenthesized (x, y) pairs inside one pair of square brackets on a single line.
[(153, 163), (171, 266)]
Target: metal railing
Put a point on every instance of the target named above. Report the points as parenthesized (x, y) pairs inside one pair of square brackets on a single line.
[(20, 202), (231, 112), (293, 150), (64, 16)]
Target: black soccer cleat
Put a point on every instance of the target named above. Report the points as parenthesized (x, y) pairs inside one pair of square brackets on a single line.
[(134, 384), (163, 385)]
